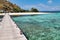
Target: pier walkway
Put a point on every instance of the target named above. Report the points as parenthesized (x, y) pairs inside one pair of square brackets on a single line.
[(9, 30)]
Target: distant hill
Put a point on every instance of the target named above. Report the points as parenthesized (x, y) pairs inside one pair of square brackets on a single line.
[(6, 6)]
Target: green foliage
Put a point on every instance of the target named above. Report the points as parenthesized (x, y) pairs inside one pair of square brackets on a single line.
[(16, 9), (10, 7), (22, 10), (34, 10)]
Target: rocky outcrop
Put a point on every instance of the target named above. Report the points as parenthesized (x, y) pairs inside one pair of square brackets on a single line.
[(7, 6)]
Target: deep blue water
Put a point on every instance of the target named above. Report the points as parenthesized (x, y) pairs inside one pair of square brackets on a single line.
[(40, 27)]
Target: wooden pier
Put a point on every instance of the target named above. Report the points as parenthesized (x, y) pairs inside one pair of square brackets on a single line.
[(9, 30)]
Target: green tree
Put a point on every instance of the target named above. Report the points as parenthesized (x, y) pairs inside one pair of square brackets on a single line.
[(16, 9), (34, 10)]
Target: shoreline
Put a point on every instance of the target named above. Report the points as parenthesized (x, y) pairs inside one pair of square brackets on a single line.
[(18, 14)]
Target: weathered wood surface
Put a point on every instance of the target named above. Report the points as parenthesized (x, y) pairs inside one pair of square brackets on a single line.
[(9, 30)]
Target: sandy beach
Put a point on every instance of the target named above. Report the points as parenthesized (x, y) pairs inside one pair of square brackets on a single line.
[(17, 14)]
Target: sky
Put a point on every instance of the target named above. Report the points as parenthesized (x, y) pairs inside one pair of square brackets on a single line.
[(41, 5)]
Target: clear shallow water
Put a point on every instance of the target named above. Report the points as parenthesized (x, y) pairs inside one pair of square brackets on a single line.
[(40, 27)]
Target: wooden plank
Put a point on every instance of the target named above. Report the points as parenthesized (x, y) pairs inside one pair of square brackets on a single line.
[(10, 30)]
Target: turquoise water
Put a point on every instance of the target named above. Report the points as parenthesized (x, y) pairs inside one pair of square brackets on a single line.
[(40, 27)]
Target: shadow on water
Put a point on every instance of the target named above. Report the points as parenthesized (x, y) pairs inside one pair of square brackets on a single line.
[(1, 17)]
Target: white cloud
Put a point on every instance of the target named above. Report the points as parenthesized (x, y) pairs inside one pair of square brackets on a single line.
[(50, 1), (51, 8), (44, 7), (56, 8)]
